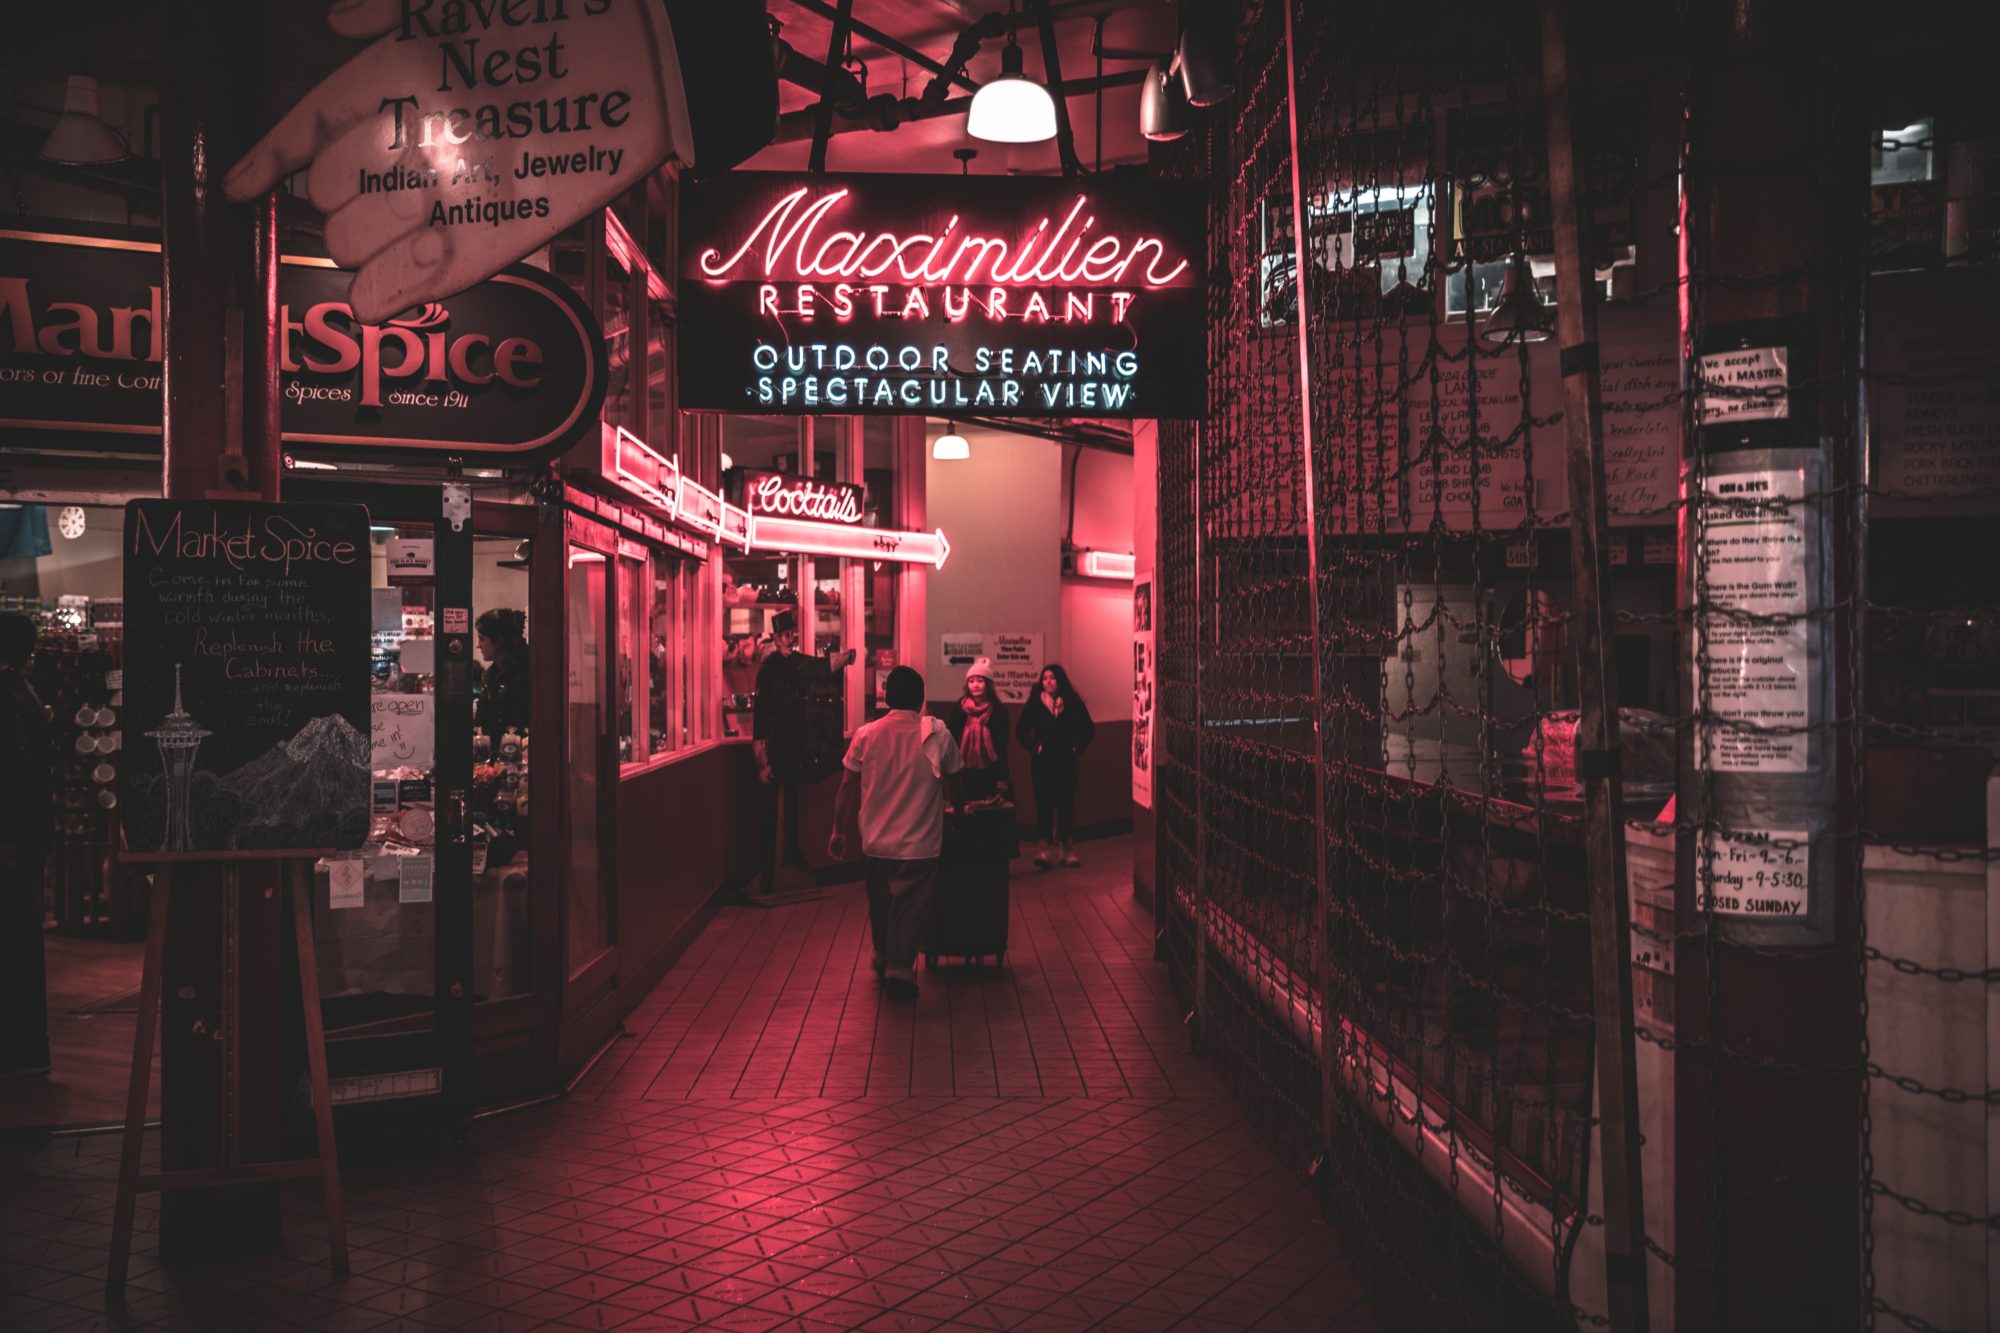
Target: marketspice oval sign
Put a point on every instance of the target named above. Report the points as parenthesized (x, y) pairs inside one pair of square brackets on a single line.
[(510, 370), (1002, 296)]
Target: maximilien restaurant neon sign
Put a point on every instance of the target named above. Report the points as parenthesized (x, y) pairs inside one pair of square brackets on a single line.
[(995, 296)]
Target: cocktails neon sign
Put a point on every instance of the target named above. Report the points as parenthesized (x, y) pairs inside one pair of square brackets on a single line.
[(780, 496)]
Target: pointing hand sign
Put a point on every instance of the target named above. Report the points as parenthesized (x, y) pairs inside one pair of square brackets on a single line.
[(471, 132)]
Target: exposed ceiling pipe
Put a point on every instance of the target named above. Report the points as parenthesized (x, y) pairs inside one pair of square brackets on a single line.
[(1052, 75), (836, 53), (855, 110), (834, 84), (883, 113), (894, 46)]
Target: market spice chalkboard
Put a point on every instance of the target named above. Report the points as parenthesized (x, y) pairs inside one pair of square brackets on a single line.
[(246, 676)]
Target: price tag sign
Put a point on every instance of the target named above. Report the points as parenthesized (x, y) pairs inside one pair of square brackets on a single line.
[(1756, 874)]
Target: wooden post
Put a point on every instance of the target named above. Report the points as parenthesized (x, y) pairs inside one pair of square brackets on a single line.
[(219, 335), (1768, 1228), (1329, 1053), (140, 1084), (1597, 750), (322, 1095)]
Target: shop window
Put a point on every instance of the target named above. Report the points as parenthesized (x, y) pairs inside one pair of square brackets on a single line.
[(502, 928), (588, 888), (634, 630), (664, 731), (621, 406), (1906, 198)]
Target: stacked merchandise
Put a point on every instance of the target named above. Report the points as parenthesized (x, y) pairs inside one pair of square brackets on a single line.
[(78, 674)]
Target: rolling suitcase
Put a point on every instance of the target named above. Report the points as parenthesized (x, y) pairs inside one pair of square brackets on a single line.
[(969, 909)]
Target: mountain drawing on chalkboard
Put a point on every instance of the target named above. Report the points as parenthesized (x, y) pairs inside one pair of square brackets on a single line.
[(303, 791)]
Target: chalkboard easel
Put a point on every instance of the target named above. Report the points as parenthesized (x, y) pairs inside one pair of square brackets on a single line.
[(325, 1163)]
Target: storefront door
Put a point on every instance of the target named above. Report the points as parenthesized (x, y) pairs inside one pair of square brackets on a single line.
[(395, 923)]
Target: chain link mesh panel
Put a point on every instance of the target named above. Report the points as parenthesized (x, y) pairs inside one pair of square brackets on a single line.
[(1374, 900)]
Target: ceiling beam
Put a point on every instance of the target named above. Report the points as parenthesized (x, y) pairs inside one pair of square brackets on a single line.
[(1052, 75), (883, 113), (836, 52), (893, 45)]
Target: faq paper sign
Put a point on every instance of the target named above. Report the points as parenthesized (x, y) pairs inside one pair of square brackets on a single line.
[(946, 295)]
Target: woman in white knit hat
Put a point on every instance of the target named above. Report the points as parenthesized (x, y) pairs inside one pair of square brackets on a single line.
[(978, 722)]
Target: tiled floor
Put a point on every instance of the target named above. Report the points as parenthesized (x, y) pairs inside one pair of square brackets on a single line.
[(778, 1148), (93, 1003)]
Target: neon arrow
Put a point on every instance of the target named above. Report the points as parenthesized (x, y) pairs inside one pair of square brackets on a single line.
[(806, 537)]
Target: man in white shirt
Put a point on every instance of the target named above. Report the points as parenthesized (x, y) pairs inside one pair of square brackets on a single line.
[(892, 795)]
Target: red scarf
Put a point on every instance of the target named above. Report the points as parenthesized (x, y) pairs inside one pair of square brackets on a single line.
[(976, 746)]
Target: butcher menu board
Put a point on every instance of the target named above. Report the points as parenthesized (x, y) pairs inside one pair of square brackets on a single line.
[(246, 676)]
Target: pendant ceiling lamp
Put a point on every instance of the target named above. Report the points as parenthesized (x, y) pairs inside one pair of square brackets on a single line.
[(1208, 54), (1011, 108), (81, 138), (1520, 317), (951, 446), (1163, 106)]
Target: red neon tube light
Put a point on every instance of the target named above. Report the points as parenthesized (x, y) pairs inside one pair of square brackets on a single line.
[(806, 537), (735, 526), (1106, 565), (643, 471), (699, 508), (794, 248)]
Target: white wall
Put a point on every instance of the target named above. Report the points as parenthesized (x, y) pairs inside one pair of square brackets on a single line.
[(1097, 613), (1001, 510), (89, 566)]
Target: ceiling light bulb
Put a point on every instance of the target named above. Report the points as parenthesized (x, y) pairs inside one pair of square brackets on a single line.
[(1011, 108), (951, 446)]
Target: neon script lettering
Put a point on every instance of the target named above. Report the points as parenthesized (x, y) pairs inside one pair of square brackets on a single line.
[(805, 499), (794, 247)]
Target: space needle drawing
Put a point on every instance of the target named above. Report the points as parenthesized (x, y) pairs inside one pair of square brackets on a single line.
[(178, 737)]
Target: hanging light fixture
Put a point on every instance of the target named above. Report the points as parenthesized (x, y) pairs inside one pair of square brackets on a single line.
[(1520, 316), (1208, 54), (1011, 108), (951, 446), (81, 138), (1163, 106)]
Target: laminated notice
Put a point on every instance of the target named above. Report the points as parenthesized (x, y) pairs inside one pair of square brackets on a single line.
[(1755, 874), (1754, 660)]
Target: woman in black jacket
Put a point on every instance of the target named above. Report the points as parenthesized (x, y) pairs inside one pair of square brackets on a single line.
[(1055, 729), (506, 692), (978, 722)]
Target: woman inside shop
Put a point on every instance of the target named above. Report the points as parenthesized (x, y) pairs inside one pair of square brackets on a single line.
[(506, 698), (978, 722), (1056, 729)]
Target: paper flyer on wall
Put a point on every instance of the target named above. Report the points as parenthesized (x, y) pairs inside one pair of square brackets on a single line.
[(1755, 670), (1143, 667), (1763, 874)]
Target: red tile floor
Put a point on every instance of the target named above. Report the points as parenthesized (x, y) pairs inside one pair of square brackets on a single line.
[(776, 1147)]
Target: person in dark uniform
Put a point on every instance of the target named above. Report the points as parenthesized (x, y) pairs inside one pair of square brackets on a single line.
[(507, 695), (27, 818), (784, 680)]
